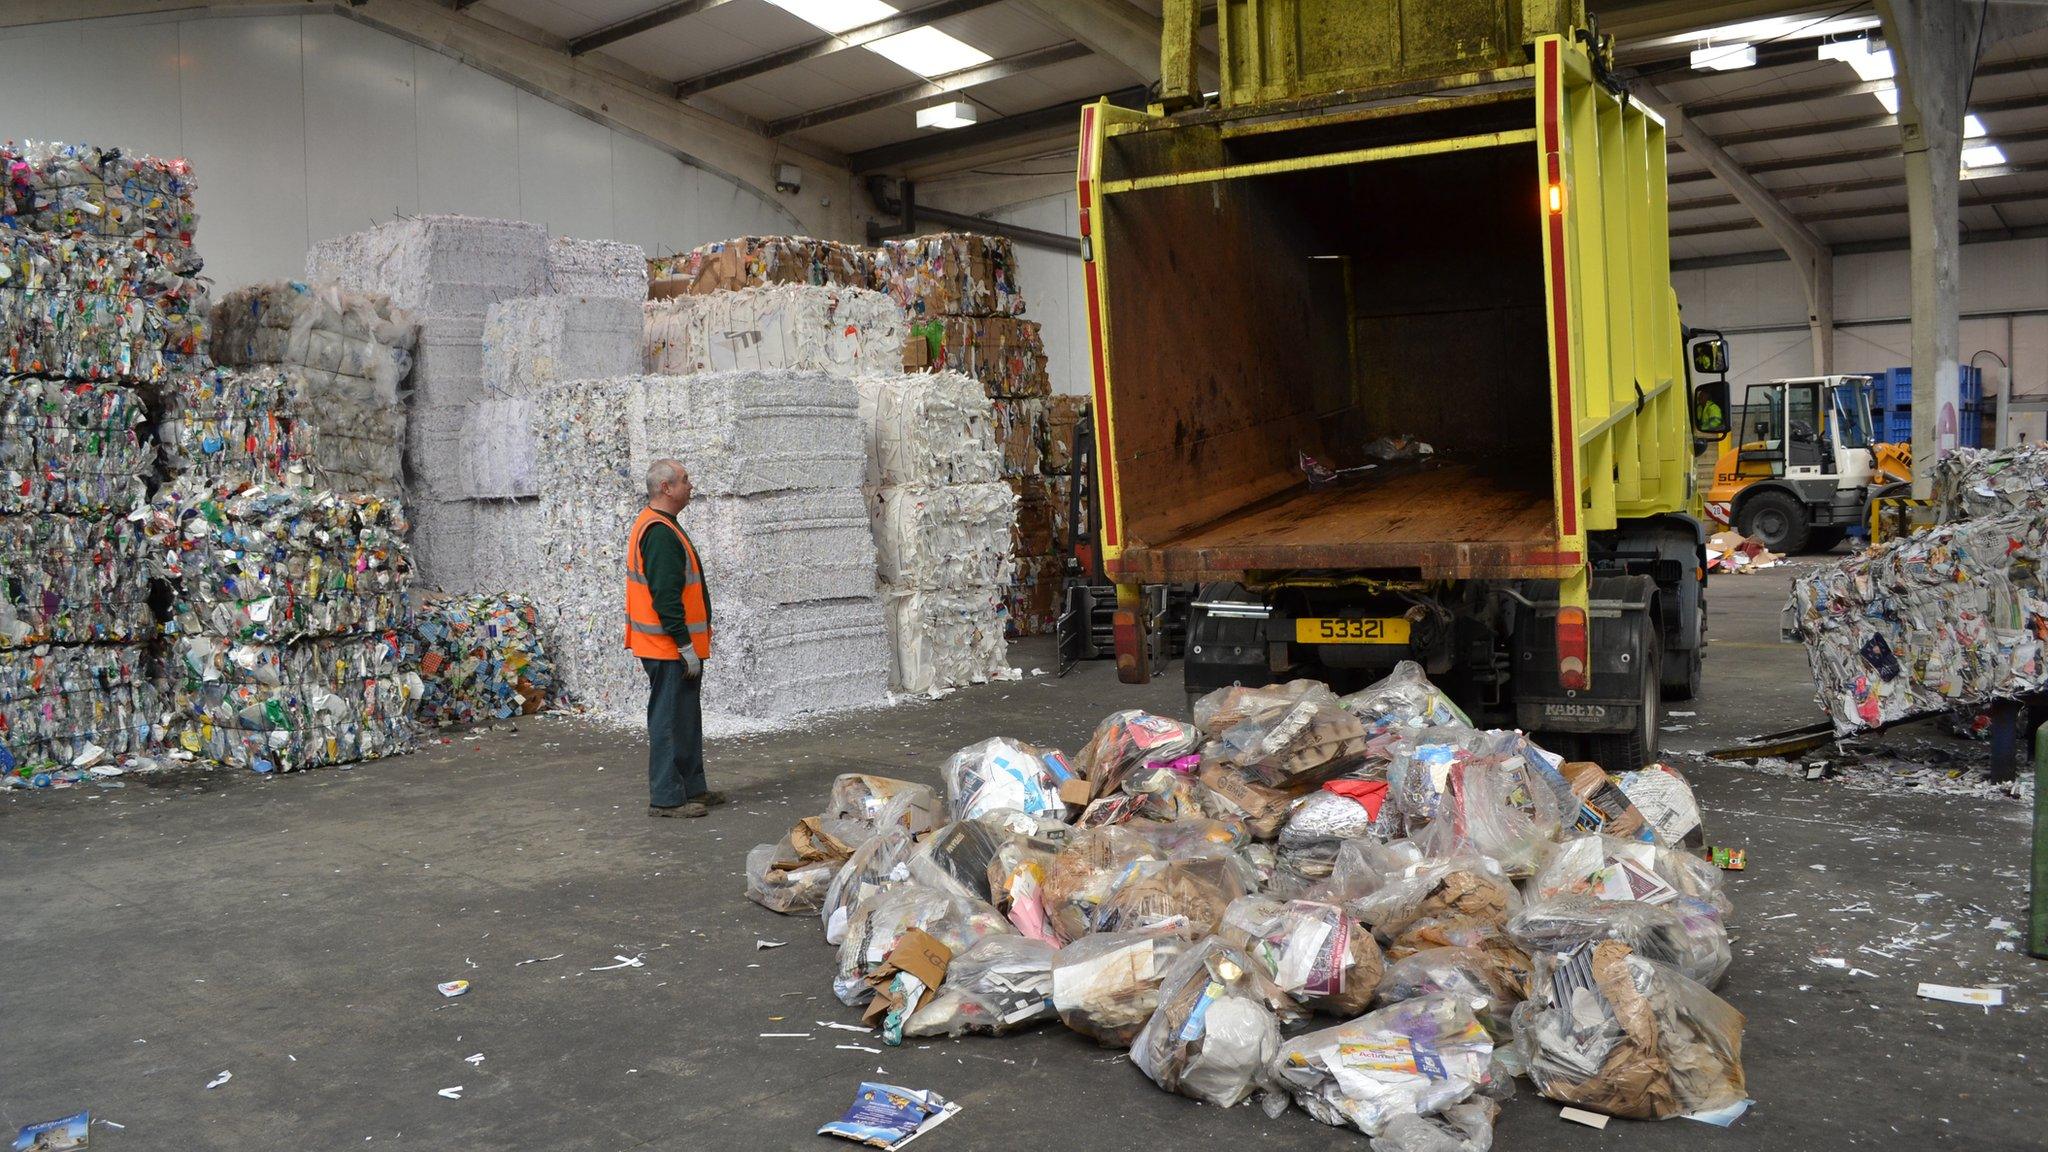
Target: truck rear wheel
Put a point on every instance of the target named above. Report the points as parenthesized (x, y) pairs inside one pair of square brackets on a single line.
[(1776, 521), (1628, 751), (1682, 667)]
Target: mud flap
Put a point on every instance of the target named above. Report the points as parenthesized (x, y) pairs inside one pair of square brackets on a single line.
[(1620, 622)]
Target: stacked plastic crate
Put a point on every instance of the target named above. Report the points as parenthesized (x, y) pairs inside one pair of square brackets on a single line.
[(961, 294), (1891, 406), (98, 305)]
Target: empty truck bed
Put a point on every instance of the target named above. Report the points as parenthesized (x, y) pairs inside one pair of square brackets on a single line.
[(1443, 523)]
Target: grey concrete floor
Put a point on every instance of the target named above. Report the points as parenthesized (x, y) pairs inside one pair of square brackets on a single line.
[(292, 931)]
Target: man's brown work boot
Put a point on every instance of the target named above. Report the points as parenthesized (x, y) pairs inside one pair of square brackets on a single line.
[(709, 799), (689, 808)]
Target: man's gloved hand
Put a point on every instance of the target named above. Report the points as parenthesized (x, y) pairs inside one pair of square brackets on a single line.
[(692, 666)]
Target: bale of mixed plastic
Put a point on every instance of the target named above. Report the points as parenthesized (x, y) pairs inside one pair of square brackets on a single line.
[(73, 580), (1686, 934), (84, 190), (1000, 984), (1415, 1058), (275, 707), (481, 658), (1973, 482), (77, 705), (1002, 773), (86, 308), (75, 448), (1217, 1028), (1317, 953), (1614, 1032), (1106, 986), (874, 928), (1948, 618)]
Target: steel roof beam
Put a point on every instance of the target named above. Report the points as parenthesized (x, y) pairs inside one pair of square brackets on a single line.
[(1988, 200), (934, 86), (1064, 115), (644, 22)]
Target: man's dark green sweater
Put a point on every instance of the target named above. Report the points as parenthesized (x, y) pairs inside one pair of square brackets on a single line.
[(667, 565)]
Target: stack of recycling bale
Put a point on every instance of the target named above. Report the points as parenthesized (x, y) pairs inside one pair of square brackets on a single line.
[(447, 271), (305, 391), (1063, 415), (288, 618), (99, 304), (943, 520), (776, 460), (960, 292), (1949, 618), (757, 261)]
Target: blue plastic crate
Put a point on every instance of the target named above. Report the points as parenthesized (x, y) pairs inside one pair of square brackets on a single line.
[(1895, 427), (1970, 385), (1892, 389)]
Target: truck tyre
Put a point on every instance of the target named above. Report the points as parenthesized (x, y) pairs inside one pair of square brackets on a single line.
[(1628, 751), (1776, 521), (1682, 667)]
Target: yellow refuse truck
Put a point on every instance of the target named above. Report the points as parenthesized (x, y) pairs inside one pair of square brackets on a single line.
[(1401, 219)]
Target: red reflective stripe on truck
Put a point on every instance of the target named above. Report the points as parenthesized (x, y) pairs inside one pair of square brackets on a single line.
[(1105, 461), (1560, 311)]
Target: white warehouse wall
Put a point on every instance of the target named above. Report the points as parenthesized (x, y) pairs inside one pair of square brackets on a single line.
[(300, 128), (1053, 294), (1763, 310)]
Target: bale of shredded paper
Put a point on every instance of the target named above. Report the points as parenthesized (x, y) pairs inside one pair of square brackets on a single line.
[(74, 705), (68, 447), (596, 268), (844, 331), (1991, 481), (1951, 617), (926, 430), (481, 658), (283, 707)]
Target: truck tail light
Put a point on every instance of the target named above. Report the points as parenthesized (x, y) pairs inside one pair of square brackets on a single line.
[(1555, 198), (1571, 649)]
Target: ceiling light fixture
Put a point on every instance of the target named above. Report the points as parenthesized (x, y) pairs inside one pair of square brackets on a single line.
[(1725, 58), (958, 114)]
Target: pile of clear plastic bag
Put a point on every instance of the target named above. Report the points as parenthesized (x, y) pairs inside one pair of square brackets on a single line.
[(1686, 934), (880, 861), (1415, 1058), (794, 874), (875, 927), (1127, 741), (1217, 1029), (1405, 697), (1610, 868), (1614, 1032), (1469, 887), (1317, 953), (71, 447), (1464, 972)]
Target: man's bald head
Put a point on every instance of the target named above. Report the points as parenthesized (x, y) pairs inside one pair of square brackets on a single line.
[(668, 485)]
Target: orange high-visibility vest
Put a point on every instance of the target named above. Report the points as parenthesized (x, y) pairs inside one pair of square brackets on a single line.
[(644, 634)]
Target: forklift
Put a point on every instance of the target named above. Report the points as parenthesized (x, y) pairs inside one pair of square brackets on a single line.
[(1802, 468)]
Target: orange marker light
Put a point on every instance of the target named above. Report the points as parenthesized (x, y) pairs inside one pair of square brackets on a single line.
[(1557, 198)]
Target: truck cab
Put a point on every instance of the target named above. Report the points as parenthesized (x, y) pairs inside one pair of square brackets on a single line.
[(1801, 463)]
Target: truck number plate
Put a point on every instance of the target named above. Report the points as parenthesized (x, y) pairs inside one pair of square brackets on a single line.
[(1351, 630)]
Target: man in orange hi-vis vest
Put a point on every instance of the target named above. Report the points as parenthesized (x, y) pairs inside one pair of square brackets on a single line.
[(668, 626)]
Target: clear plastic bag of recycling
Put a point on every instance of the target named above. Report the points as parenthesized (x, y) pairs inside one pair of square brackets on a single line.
[(1510, 964), (881, 802), (1217, 1029), (1465, 972), (1494, 806), (1416, 1058), (1225, 708), (1317, 953), (1468, 886), (1311, 741), (874, 928), (1686, 934), (1149, 892), (1106, 986), (882, 861), (1611, 868), (788, 890), (1405, 697), (1466, 1127), (1001, 773), (1126, 741), (1617, 1033), (999, 984)]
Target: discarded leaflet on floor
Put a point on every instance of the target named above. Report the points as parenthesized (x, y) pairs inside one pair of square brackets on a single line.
[(480, 658), (888, 1117), (1951, 617)]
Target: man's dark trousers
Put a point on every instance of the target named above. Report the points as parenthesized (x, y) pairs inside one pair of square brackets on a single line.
[(675, 735)]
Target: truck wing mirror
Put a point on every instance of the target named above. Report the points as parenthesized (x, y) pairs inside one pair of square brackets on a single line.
[(1710, 357), (1710, 408)]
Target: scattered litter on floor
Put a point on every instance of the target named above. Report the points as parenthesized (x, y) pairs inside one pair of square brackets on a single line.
[(888, 1117), (785, 1035), (857, 1048), (638, 961), (764, 944), (1581, 1116), (453, 988), (221, 1079), (1981, 997), (454, 1093), (540, 959), (474, 1058)]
